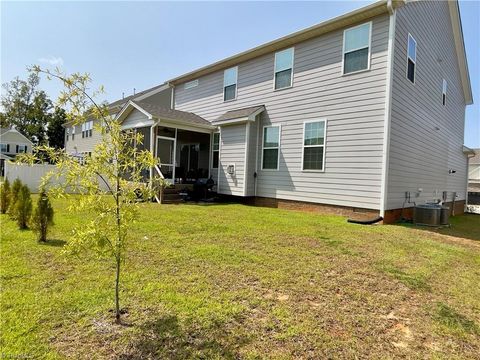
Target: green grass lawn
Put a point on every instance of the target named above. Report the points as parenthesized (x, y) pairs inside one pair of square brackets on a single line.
[(232, 281)]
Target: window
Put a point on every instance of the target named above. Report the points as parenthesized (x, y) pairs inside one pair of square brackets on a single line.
[(230, 84), (356, 48), (314, 145), (21, 149), (271, 147), (73, 133), (4, 148), (87, 129), (215, 150), (411, 58), (191, 84), (444, 93), (67, 132), (283, 69)]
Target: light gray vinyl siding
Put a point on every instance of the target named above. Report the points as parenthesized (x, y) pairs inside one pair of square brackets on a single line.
[(82, 145), (232, 151), (426, 137), (353, 104), (252, 162), (136, 118)]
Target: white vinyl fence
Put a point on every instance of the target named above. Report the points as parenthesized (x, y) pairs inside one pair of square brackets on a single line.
[(30, 175)]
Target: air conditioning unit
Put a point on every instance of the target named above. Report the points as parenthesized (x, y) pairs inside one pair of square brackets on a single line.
[(231, 169)]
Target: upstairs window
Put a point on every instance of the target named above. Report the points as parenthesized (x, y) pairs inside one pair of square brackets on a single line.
[(67, 133), (411, 58), (444, 93), (271, 147), (356, 48), (4, 148), (21, 149), (87, 129), (73, 132), (215, 150), (314, 145), (283, 69), (230, 84)]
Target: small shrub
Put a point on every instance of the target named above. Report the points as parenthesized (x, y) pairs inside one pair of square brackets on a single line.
[(16, 186), (4, 196), (42, 216), (23, 207)]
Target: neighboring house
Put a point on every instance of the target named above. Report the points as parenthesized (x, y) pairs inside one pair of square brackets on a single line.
[(12, 143), (81, 139), (364, 112), (474, 178)]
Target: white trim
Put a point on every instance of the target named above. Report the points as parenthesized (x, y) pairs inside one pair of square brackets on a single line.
[(206, 129), (279, 126), (236, 83), (409, 36), (190, 84), (370, 23), (256, 157), (275, 66), (120, 114), (172, 98), (245, 162), (324, 146), (212, 149), (388, 114), (220, 166)]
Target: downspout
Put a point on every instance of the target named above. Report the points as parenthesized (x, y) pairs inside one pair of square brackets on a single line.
[(388, 108), (172, 98), (245, 170)]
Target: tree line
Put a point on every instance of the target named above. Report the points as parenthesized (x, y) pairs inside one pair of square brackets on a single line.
[(30, 111)]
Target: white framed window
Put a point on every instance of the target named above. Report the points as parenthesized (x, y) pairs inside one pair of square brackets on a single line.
[(271, 147), (73, 132), (87, 129), (283, 77), (411, 58), (230, 84), (4, 148), (67, 133), (444, 92), (191, 84), (313, 157), (356, 48), (215, 150), (21, 149)]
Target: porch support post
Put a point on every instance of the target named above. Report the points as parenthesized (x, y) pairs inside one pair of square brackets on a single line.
[(174, 156), (152, 147)]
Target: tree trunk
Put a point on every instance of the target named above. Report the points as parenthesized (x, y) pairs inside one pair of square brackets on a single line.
[(117, 297)]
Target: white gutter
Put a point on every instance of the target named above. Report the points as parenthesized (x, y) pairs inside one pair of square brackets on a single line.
[(388, 109)]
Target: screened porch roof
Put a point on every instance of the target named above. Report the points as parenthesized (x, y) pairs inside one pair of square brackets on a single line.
[(155, 114), (239, 115)]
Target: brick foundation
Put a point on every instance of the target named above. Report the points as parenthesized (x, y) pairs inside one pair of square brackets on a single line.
[(394, 215)]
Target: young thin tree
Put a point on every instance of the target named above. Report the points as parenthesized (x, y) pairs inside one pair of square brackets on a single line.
[(42, 217), (4, 196), (23, 207), (107, 195)]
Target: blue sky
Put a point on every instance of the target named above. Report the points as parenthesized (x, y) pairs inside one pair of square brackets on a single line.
[(126, 45)]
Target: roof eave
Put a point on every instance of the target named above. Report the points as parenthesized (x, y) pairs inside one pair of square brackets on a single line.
[(366, 12)]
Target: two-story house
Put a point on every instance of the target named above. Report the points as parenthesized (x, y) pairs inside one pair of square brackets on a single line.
[(363, 112), (12, 143)]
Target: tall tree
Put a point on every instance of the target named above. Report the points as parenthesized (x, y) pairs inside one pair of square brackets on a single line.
[(26, 108), (55, 130)]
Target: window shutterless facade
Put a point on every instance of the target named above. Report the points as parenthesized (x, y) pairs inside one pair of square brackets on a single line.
[(444, 92), (313, 157), (270, 147), (411, 58), (356, 48), (215, 150), (230, 84), (283, 77)]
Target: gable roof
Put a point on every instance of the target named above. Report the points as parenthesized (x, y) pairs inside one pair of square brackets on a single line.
[(4, 131), (160, 113), (139, 96)]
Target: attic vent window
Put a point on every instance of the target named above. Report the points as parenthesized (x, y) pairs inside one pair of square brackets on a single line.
[(191, 84), (411, 58)]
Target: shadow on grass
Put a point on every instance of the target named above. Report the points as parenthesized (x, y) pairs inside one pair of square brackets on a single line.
[(166, 338), (54, 242), (466, 226), (448, 317)]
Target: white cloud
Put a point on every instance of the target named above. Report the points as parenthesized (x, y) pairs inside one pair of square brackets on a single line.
[(52, 60)]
